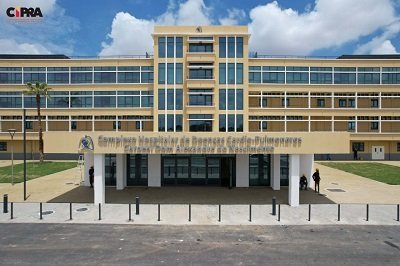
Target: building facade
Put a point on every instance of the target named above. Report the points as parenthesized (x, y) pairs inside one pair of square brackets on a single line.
[(203, 110)]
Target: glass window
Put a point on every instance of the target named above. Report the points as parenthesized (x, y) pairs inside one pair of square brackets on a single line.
[(239, 47), (231, 73), (359, 146), (200, 73), (129, 77), (222, 73), (239, 123), (297, 77), (351, 103), (390, 78), (239, 99), (213, 168), (231, 123), (345, 78), (147, 77), (255, 77), (351, 125), (34, 77), (398, 146), (128, 101), (179, 99), (104, 101), (374, 125), (284, 158), (179, 74), (179, 47), (222, 47), (161, 47), (368, 78), (30, 102), (239, 73), (200, 99), (58, 78), (81, 77), (321, 102), (81, 101), (170, 73), (161, 73), (170, 47), (222, 99), (273, 77), (11, 78), (342, 102), (29, 124), (231, 99), (231, 47), (3, 146), (198, 166), (374, 103), (10, 101), (200, 125), (104, 77), (57, 101), (222, 123), (321, 78), (161, 99), (200, 47)]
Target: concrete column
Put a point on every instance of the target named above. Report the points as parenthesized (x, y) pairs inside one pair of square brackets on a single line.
[(242, 170), (121, 171), (294, 179), (154, 178), (306, 167), (276, 171), (99, 179), (88, 163)]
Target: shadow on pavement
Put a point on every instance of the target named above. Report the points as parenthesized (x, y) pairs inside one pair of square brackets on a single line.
[(193, 195)]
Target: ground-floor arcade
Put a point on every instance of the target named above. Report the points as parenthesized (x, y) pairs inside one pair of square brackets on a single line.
[(226, 170)]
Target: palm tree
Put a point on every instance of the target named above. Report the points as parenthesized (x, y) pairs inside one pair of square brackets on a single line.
[(39, 89)]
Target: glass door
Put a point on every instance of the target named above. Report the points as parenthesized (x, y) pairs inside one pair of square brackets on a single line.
[(182, 170), (110, 170), (169, 170), (137, 169)]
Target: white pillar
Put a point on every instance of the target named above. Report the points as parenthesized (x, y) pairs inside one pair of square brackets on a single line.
[(294, 179), (121, 171), (306, 167), (154, 178), (99, 179), (242, 170), (88, 157), (276, 171)]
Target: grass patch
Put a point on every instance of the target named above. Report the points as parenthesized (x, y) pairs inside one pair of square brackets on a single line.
[(385, 173), (33, 170)]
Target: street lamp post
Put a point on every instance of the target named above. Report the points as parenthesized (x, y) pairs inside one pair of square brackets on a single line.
[(12, 133)]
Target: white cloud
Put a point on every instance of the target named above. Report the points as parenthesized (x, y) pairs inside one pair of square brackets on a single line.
[(49, 35), (9, 46), (131, 36), (384, 48), (235, 16), (330, 24)]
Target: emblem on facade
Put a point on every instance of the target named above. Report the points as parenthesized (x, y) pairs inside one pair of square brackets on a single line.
[(199, 29), (86, 143)]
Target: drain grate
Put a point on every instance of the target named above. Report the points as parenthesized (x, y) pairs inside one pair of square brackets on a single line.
[(335, 190), (47, 212), (81, 209), (69, 183)]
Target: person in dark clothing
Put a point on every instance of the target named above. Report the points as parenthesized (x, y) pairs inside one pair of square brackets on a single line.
[(303, 182), (316, 178), (355, 155), (91, 176)]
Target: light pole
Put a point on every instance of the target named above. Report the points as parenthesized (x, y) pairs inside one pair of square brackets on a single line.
[(12, 133)]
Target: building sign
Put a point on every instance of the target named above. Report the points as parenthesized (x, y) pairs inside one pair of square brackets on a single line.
[(198, 145), (24, 14), (86, 143)]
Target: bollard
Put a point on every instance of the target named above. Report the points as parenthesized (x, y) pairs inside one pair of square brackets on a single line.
[(398, 212), (130, 216), (219, 212), (367, 212), (70, 210), (40, 207), (12, 210), (5, 203), (99, 211), (190, 212), (250, 213), (159, 212), (273, 205), (137, 205), (338, 212), (279, 212), (309, 212)]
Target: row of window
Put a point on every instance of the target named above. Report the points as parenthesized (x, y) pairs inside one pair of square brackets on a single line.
[(76, 75), (80, 99), (200, 123), (321, 103), (324, 75)]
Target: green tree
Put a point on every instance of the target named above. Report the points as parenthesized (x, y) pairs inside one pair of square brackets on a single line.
[(38, 90)]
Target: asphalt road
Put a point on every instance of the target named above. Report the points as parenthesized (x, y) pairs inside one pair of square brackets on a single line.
[(74, 244)]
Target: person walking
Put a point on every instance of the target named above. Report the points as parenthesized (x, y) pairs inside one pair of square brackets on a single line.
[(316, 178), (303, 182), (91, 176), (355, 155)]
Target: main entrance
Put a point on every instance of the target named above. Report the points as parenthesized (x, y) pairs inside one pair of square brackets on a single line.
[(213, 170)]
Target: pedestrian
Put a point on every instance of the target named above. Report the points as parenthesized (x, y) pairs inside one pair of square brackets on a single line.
[(303, 182), (91, 176), (355, 155), (316, 178)]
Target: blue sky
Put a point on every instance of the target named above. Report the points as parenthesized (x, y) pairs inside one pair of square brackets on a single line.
[(281, 27)]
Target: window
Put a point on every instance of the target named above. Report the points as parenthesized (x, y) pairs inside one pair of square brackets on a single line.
[(254, 77), (368, 75), (223, 53), (359, 146), (10, 75), (374, 125), (82, 75), (137, 125), (320, 78), (201, 47), (81, 99), (351, 126), (105, 74), (222, 47), (3, 146), (342, 102), (398, 146), (178, 73), (161, 47), (231, 73), (352, 103), (29, 124), (105, 99), (166, 123), (115, 125), (172, 104), (287, 102), (200, 122), (201, 97), (321, 102), (374, 103), (73, 125), (57, 75), (263, 125), (229, 99), (227, 123)]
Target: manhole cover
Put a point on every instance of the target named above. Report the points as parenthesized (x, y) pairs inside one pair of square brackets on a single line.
[(335, 190), (47, 212), (81, 209)]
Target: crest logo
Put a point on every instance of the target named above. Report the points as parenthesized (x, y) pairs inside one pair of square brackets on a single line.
[(86, 143)]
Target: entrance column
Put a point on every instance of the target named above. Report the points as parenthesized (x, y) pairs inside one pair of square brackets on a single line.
[(242, 170), (99, 179), (294, 179), (154, 178), (306, 167), (88, 157), (276, 172), (121, 171)]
